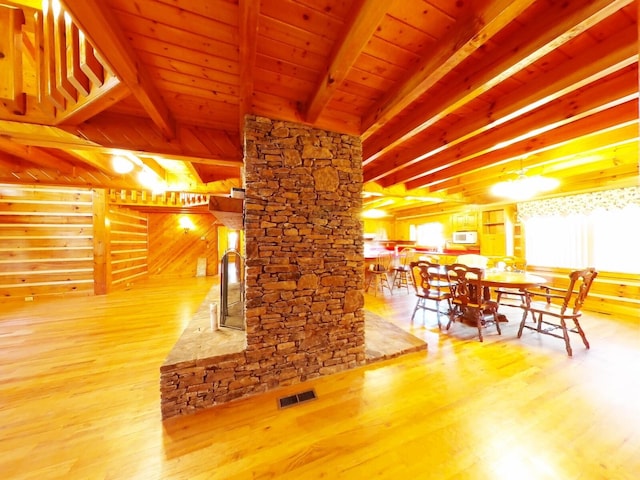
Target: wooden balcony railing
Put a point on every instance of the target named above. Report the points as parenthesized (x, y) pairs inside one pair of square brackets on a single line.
[(48, 69)]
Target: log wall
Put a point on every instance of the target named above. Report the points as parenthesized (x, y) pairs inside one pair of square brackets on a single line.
[(611, 293), (46, 242)]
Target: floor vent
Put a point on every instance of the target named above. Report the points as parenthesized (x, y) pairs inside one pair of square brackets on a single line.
[(297, 398)]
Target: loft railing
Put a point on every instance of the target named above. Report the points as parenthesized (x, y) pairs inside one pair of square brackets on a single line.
[(163, 199), (48, 69)]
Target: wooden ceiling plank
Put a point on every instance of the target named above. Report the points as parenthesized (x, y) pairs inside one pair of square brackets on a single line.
[(591, 148), (96, 159), (616, 52), (461, 42), (11, 92), (52, 137), (249, 13), (98, 23), (363, 21), (605, 119), (581, 104), (561, 24), (35, 155)]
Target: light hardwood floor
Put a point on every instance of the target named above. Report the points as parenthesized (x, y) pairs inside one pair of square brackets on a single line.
[(79, 399)]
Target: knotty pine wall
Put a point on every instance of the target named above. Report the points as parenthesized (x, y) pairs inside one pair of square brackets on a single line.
[(46, 242), (174, 252)]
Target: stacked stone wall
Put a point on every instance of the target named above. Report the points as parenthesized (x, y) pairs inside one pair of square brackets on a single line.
[(304, 269)]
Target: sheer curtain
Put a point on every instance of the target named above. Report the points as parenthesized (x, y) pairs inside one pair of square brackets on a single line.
[(606, 239), (428, 234)]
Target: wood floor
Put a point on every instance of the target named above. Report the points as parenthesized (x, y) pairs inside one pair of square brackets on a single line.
[(79, 399)]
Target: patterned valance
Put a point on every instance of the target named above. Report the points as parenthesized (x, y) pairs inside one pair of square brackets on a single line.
[(583, 203)]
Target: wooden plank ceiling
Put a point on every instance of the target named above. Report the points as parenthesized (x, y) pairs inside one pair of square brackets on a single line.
[(448, 97)]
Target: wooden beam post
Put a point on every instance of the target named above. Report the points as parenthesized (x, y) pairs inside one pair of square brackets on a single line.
[(101, 243)]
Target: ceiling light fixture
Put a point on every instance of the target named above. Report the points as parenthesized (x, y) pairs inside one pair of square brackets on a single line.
[(374, 213), (524, 187), (121, 165)]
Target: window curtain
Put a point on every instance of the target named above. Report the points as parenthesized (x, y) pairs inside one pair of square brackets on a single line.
[(596, 229)]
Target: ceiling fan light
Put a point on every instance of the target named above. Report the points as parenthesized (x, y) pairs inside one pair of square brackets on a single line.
[(523, 187)]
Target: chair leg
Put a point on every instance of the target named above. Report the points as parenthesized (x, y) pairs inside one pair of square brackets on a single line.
[(497, 322), (565, 334), (581, 332), (395, 283), (479, 324), (522, 322), (452, 315), (415, 309), (438, 314)]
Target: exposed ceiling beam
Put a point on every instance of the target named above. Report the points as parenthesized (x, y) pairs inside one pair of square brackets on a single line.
[(578, 105), (611, 55), (35, 155), (561, 24), (462, 41), (249, 12), (54, 137), (618, 141), (365, 18), (103, 30), (556, 162), (604, 119)]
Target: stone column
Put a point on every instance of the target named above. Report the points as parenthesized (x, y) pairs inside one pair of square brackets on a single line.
[(304, 270), (304, 247)]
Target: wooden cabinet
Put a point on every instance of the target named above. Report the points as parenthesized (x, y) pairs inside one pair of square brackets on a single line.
[(496, 233), (464, 221)]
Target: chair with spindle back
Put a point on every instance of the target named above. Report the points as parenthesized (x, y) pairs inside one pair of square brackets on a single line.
[(559, 306), (510, 297), (430, 289), (473, 260)]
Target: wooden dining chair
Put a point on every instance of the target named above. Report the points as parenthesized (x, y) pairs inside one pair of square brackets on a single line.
[(430, 289), (473, 260), (510, 297), (558, 306), (378, 273), (401, 272), (468, 298)]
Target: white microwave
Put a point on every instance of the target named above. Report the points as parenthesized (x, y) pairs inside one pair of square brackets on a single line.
[(465, 237)]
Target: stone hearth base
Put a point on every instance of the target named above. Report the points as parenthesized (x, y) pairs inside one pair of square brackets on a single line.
[(199, 348)]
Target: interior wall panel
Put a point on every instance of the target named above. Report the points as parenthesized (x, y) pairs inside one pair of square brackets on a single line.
[(128, 246), (46, 242), (176, 252)]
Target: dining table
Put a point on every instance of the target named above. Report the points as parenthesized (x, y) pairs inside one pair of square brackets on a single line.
[(503, 279), (517, 280), (511, 279)]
